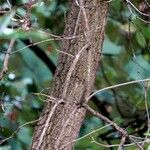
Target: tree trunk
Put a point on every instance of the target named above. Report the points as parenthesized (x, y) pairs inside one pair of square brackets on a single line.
[(60, 122)]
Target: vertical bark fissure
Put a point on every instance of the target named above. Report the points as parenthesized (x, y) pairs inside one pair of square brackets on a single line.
[(74, 76)]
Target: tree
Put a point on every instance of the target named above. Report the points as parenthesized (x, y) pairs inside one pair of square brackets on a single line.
[(63, 114), (100, 90)]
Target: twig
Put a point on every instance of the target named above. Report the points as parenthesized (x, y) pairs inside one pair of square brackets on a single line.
[(72, 67), (64, 52), (113, 124), (105, 119), (50, 98), (57, 36), (47, 123), (114, 145), (81, 138), (9, 4), (43, 41), (121, 145), (64, 127), (78, 19), (47, 40), (118, 85), (81, 5), (138, 144), (103, 145), (136, 9), (6, 59), (147, 112), (88, 34), (11, 136)]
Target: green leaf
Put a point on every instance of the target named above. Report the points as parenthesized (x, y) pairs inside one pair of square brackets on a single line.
[(111, 48), (22, 34), (140, 39), (24, 135), (5, 20), (7, 147), (148, 147), (138, 67)]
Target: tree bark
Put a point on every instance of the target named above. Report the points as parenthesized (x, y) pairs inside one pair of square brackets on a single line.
[(60, 122)]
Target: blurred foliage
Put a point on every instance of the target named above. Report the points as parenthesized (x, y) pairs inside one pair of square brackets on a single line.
[(125, 57)]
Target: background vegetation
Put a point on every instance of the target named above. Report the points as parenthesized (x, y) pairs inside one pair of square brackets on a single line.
[(125, 57)]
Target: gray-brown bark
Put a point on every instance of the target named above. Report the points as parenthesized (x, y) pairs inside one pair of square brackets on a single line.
[(60, 122)]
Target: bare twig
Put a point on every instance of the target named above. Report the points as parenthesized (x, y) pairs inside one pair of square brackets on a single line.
[(136, 9), (147, 112), (137, 143), (130, 4), (43, 41), (50, 98), (6, 59), (118, 85), (72, 67), (9, 4), (115, 145), (64, 127), (11, 136), (121, 145), (105, 119), (88, 35), (78, 19), (122, 131), (64, 53), (103, 145), (47, 123), (81, 138), (47, 40), (81, 5)]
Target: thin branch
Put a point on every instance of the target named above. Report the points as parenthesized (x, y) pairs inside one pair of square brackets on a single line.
[(42, 55), (115, 145), (113, 124), (9, 4), (103, 145), (6, 59), (47, 123), (78, 19), (47, 40), (117, 85), (72, 67), (122, 143), (43, 41), (88, 35), (147, 112), (64, 52), (137, 143), (82, 7), (57, 36), (50, 98), (11, 136), (106, 120), (64, 127), (136, 9), (81, 138)]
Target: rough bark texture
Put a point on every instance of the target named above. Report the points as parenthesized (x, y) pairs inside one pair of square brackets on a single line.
[(73, 78)]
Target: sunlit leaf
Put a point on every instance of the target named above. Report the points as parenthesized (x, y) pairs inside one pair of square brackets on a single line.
[(5, 20)]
